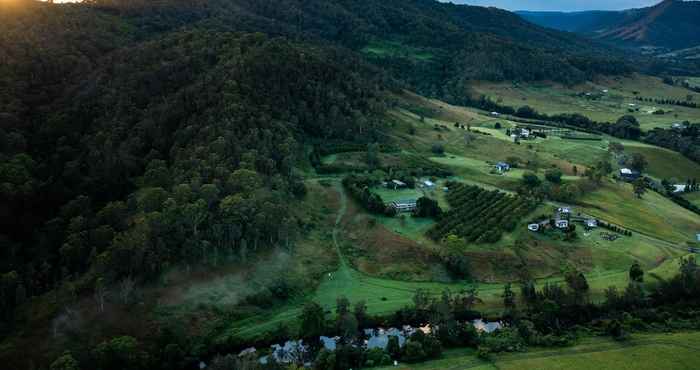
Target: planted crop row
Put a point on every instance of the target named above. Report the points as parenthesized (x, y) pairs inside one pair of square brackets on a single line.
[(479, 215)]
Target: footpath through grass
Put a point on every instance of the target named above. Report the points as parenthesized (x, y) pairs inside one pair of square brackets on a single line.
[(676, 351), (385, 296)]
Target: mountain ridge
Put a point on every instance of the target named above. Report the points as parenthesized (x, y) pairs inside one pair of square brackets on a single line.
[(671, 24)]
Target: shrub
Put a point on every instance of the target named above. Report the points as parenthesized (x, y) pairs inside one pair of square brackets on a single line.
[(413, 352), (484, 353), (438, 149)]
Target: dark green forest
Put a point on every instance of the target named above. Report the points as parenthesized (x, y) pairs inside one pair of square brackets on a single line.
[(120, 158)]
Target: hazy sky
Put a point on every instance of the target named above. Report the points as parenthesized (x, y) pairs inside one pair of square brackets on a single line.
[(563, 5)]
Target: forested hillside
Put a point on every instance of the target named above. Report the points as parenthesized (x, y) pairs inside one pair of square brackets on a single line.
[(433, 46), (122, 157), (671, 24)]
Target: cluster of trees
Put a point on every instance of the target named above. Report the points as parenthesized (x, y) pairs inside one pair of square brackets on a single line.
[(680, 199), (692, 186), (478, 215), (427, 208), (614, 228), (359, 188), (685, 141), (552, 187), (445, 313), (689, 103)]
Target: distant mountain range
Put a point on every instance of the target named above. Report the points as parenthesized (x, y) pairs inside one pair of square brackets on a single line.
[(671, 24)]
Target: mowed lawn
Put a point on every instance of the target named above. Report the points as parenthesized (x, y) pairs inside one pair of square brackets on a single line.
[(576, 151), (666, 164), (480, 171), (652, 215), (673, 351)]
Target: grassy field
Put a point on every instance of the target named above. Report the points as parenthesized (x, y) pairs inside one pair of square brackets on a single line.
[(652, 215), (384, 296), (694, 81), (392, 49), (693, 198), (580, 152), (675, 351), (553, 99), (664, 163), (480, 171)]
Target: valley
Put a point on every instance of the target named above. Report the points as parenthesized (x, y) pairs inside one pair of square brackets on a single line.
[(221, 184)]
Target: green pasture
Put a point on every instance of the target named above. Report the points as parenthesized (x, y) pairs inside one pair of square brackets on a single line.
[(668, 351), (693, 198), (575, 151), (384, 296), (653, 215), (480, 171), (390, 49), (391, 195), (555, 99), (666, 164)]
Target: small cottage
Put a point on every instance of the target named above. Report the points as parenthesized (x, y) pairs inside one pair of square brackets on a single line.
[(502, 167), (396, 184), (629, 174)]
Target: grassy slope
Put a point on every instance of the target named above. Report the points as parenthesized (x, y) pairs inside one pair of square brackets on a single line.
[(554, 98), (652, 215), (694, 198), (666, 164), (677, 351)]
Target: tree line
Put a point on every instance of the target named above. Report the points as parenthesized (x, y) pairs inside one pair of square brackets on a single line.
[(554, 314)]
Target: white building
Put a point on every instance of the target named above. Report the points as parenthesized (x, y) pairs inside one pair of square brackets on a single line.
[(679, 188), (398, 184), (402, 206)]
